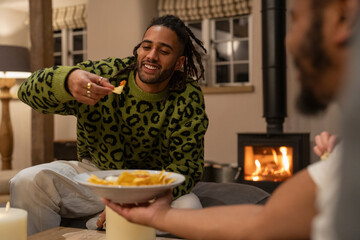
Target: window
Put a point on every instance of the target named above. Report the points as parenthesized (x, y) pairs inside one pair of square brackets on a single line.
[(227, 42), (70, 46)]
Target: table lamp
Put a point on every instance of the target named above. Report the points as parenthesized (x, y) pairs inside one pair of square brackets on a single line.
[(14, 64)]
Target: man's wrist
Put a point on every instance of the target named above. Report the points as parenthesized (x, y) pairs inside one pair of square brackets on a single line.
[(66, 85)]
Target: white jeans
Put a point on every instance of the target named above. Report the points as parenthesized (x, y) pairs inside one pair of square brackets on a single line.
[(48, 193)]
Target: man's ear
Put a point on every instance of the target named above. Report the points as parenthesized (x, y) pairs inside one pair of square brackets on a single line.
[(348, 12), (179, 63)]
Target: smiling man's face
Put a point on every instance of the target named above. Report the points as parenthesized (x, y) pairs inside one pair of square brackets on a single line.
[(158, 58)]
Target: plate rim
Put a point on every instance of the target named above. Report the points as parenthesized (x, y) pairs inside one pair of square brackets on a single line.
[(179, 180)]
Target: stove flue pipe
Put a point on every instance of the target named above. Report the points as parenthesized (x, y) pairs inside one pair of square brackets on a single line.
[(273, 17)]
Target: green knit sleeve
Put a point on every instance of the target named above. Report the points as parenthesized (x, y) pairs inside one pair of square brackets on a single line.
[(45, 90), (187, 146)]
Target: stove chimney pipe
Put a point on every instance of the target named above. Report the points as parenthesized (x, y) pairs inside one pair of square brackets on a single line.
[(274, 63)]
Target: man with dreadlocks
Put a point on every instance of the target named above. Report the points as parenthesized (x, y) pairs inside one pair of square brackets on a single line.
[(157, 122)]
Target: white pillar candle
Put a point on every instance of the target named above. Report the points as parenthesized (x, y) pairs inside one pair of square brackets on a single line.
[(118, 228), (13, 223)]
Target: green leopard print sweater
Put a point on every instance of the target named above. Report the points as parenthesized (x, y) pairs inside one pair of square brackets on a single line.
[(133, 130)]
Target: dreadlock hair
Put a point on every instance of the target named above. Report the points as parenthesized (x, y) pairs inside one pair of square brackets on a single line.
[(192, 56)]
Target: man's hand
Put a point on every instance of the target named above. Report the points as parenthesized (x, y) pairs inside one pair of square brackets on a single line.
[(87, 87), (325, 144), (143, 214)]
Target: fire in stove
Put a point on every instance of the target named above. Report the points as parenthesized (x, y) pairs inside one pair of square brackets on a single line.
[(269, 159), (264, 163)]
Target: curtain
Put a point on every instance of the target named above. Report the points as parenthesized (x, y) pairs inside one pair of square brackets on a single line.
[(69, 17), (204, 9)]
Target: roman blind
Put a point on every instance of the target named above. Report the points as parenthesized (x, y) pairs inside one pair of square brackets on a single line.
[(70, 17), (204, 9)]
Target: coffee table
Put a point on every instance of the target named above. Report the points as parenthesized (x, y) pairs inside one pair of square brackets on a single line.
[(65, 233)]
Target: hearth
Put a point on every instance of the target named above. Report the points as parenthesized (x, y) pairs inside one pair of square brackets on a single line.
[(268, 159)]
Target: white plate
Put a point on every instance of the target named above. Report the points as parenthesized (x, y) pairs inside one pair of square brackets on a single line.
[(127, 194)]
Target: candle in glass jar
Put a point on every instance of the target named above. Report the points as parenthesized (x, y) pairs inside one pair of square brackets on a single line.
[(118, 227), (13, 223)]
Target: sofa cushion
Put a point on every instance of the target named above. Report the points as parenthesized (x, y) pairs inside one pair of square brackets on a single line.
[(216, 194)]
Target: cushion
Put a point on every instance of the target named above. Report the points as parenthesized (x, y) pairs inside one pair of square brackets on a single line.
[(216, 194)]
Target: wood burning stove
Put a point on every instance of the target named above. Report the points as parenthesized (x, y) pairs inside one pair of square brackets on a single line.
[(268, 159)]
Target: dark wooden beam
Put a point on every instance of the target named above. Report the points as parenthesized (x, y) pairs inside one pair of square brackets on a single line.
[(41, 55)]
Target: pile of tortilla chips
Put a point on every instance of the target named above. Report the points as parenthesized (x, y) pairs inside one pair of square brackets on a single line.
[(136, 178)]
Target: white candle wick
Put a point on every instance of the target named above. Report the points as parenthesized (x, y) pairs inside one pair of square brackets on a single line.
[(7, 207)]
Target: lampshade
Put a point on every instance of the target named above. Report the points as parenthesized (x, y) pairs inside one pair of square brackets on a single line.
[(14, 62)]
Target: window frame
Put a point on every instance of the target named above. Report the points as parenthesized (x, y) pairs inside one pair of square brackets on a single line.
[(210, 63), (231, 62)]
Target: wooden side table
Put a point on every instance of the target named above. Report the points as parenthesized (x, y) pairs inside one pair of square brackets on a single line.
[(6, 131), (65, 233)]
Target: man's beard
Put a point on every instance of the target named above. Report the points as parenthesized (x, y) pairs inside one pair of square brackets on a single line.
[(308, 102), (163, 76)]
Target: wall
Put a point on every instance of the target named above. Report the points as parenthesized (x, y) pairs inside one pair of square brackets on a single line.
[(115, 26), (65, 3)]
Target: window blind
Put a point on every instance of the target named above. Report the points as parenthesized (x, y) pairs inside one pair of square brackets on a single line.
[(70, 17), (204, 9)]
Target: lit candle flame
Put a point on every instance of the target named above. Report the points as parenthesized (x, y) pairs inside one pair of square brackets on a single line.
[(7, 208)]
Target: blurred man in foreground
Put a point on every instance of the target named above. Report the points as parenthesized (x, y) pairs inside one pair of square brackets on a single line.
[(302, 207)]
